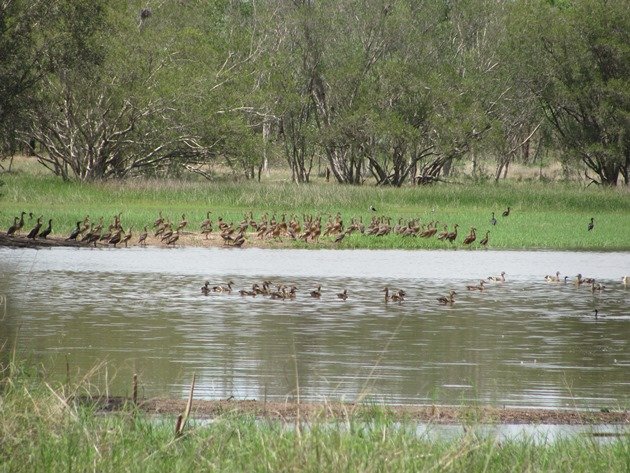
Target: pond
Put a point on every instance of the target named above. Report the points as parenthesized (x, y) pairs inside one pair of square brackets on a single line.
[(522, 342)]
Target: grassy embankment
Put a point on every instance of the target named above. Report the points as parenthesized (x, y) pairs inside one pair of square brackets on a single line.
[(544, 215), (43, 429)]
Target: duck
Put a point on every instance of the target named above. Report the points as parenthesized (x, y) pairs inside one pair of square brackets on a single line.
[(581, 280), (173, 238), (484, 241), (500, 278), (317, 293), (472, 236), (597, 286), (47, 230), (20, 222), (158, 221), (386, 291), (115, 238), (127, 237), (478, 287), (13, 228), (227, 288), (493, 220), (142, 238), (591, 224), (398, 296), (343, 295), (452, 235), (75, 233), (205, 289), (182, 223), (33, 233), (555, 278), (506, 212), (447, 300)]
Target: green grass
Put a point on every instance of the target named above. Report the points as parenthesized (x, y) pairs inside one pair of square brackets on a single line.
[(544, 215), (43, 429)]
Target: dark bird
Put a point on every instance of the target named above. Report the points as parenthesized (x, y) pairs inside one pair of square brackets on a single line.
[(75, 232), (33, 233), (47, 230), (173, 238), (493, 220), (317, 293), (127, 237), (205, 289), (484, 241), (372, 208), (478, 287), (21, 222), (343, 295), (12, 229), (506, 212), (591, 224)]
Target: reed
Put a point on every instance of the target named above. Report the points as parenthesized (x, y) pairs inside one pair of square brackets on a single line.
[(44, 428), (545, 216)]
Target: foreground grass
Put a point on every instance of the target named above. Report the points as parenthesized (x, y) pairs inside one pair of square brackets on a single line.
[(544, 215), (42, 429)]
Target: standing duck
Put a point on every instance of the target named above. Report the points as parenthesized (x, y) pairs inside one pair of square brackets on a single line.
[(47, 230), (506, 212), (13, 228), (493, 220), (591, 224), (484, 241), (33, 233), (75, 232), (143, 237)]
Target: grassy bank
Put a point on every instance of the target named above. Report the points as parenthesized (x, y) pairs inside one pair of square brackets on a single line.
[(543, 215), (43, 429)]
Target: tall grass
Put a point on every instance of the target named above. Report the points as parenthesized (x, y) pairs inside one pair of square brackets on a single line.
[(544, 215), (44, 428)]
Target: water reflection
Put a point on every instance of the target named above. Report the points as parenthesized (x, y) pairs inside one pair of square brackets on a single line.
[(523, 342)]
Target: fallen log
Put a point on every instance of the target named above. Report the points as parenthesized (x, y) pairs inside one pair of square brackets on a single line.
[(19, 241)]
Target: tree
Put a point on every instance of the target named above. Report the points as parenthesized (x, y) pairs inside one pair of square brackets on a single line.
[(577, 65)]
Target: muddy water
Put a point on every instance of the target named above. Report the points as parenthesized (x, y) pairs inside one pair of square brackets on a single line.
[(519, 343)]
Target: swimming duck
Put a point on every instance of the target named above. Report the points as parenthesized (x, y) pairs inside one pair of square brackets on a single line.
[(500, 278), (227, 288), (343, 295), (478, 287), (317, 293), (555, 278), (205, 289), (447, 300)]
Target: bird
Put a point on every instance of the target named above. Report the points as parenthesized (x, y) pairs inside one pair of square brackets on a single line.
[(183, 223), (143, 236), (452, 235), (173, 238), (21, 222), (500, 278), (555, 278), (484, 241), (472, 236), (33, 233), (343, 295), (115, 238), (372, 208), (227, 288), (478, 287), (13, 228), (75, 232), (597, 286), (47, 230), (493, 220), (205, 289), (591, 224), (317, 293), (127, 237), (506, 212), (447, 300), (596, 314)]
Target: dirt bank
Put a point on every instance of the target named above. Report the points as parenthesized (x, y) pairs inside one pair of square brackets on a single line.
[(289, 411)]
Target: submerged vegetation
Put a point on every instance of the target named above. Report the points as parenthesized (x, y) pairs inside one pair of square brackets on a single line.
[(43, 427)]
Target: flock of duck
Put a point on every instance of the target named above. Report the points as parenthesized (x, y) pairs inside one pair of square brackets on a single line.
[(289, 292), (309, 229)]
